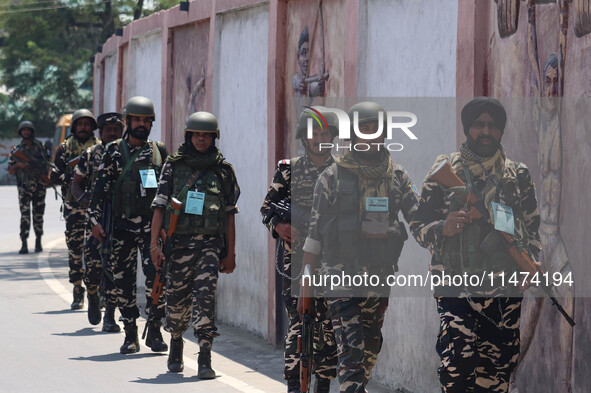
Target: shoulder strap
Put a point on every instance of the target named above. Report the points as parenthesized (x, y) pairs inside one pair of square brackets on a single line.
[(156, 155), (127, 160), (189, 184)]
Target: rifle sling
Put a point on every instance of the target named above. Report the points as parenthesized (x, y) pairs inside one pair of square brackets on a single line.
[(128, 162)]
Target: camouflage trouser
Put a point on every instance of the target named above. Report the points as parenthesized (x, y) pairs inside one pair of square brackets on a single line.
[(477, 355), (124, 268), (94, 274), (357, 323), (33, 194), (325, 356), (75, 224), (191, 281)]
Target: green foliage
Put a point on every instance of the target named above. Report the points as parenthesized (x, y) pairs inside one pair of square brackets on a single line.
[(45, 55)]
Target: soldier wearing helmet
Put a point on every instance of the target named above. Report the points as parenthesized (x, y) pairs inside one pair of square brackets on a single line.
[(62, 172), (127, 179), (293, 183), (355, 230), (204, 237), (110, 127), (29, 162)]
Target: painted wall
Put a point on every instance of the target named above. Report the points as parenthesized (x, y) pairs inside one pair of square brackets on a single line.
[(240, 104), (189, 62), (145, 64), (558, 357), (399, 56), (110, 84)]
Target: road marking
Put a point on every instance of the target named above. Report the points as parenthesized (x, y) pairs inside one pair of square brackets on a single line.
[(64, 293)]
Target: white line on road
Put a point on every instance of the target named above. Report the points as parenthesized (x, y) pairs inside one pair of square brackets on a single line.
[(64, 293)]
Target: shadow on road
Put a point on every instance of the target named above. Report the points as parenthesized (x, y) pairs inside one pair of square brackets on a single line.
[(168, 378), (115, 357), (88, 331), (57, 312)]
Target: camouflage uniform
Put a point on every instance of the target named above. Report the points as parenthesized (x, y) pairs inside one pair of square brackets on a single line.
[(478, 340), (31, 190), (299, 174), (193, 268), (74, 214), (87, 168), (129, 233), (357, 319)]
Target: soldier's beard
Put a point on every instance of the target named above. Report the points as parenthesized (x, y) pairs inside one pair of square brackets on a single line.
[(140, 133), (28, 138)]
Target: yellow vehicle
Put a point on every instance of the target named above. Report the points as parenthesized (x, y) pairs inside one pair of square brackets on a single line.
[(62, 131)]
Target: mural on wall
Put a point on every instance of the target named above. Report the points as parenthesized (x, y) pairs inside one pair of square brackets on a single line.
[(189, 61), (314, 58), (547, 89), (582, 17)]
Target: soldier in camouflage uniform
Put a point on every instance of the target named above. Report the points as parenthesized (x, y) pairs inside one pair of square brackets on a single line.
[(62, 172), (110, 129), (355, 239), (300, 174), (128, 176), (478, 341), (31, 180), (203, 243)]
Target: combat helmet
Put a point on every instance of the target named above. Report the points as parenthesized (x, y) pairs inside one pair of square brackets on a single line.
[(25, 124), (367, 112), (202, 122), (79, 114), (139, 106), (331, 121)]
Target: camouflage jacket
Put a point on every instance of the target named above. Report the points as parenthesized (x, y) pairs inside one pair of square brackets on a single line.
[(401, 198), (108, 172), (294, 181), (61, 170), (166, 186), (38, 163), (427, 224), (90, 159)]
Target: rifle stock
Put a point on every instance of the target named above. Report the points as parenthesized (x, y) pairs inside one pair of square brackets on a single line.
[(74, 161), (305, 340), (444, 175), (158, 286)]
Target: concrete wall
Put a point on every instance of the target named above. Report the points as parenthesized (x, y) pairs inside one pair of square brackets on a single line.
[(109, 98), (145, 59), (240, 105), (399, 56)]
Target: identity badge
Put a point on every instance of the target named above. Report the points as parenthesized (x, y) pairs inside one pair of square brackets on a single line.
[(195, 202), (503, 216), (148, 177), (376, 204)]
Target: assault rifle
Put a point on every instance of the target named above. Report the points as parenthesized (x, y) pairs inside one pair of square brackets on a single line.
[(447, 178), (35, 165), (306, 339), (296, 216), (167, 238)]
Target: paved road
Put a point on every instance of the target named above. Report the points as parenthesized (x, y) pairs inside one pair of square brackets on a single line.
[(46, 347)]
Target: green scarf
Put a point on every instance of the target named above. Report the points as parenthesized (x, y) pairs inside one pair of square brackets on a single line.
[(374, 177), (196, 160)]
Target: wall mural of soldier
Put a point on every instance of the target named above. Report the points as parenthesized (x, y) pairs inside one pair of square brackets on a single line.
[(547, 85)]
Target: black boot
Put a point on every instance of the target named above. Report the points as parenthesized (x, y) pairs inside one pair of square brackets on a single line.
[(38, 246), (175, 356), (293, 386), (132, 341), (94, 310), (24, 248), (321, 385), (154, 337), (109, 324), (204, 370), (78, 302)]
